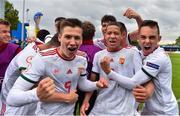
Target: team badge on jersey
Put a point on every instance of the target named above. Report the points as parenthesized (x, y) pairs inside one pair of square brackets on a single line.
[(152, 65), (121, 60), (56, 71)]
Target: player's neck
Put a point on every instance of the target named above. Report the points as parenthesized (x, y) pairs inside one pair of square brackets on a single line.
[(64, 56)]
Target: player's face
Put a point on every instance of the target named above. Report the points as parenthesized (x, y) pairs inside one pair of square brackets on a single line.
[(148, 39), (70, 39), (113, 38), (5, 33)]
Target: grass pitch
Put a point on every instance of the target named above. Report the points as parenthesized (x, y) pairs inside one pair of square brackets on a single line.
[(175, 59)]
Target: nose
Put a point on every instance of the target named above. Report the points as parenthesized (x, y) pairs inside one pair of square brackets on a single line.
[(112, 35), (147, 40), (72, 41)]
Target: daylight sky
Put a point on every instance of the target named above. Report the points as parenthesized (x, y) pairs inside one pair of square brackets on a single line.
[(166, 12)]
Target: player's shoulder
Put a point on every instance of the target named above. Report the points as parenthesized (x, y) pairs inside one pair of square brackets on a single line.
[(48, 52), (159, 56), (159, 53), (31, 47), (78, 57), (132, 49)]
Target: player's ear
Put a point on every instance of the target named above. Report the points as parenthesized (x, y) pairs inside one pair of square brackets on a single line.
[(59, 37), (159, 38)]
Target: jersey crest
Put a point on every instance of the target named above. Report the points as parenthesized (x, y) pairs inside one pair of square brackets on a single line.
[(121, 60), (56, 71)]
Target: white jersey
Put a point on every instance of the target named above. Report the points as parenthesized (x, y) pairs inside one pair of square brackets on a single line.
[(158, 66), (65, 74), (19, 62), (116, 100)]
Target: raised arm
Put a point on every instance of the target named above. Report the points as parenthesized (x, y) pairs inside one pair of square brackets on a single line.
[(132, 14)]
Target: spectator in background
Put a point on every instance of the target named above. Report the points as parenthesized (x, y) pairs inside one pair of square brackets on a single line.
[(7, 50)]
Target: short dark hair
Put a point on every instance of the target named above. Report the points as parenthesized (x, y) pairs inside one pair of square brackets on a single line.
[(59, 19), (88, 30), (4, 22), (108, 18), (118, 24), (150, 23), (123, 27), (72, 22), (42, 34)]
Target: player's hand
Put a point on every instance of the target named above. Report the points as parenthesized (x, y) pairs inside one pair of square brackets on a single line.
[(105, 64), (84, 108), (140, 94), (130, 13), (30, 39), (71, 97), (45, 89), (102, 83)]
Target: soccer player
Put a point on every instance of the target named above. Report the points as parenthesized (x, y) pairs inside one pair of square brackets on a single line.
[(20, 63), (99, 42), (156, 67), (129, 13), (113, 100), (63, 66)]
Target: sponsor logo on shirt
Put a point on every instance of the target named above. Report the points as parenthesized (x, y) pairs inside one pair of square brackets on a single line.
[(121, 60), (69, 71), (152, 65)]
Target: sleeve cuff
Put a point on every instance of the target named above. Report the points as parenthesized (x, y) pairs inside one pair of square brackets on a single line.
[(34, 95)]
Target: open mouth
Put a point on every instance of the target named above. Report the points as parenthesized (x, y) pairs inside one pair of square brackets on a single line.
[(147, 47), (112, 41), (72, 49)]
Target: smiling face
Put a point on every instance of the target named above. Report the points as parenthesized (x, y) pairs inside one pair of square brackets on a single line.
[(5, 33), (148, 39), (113, 38), (71, 40)]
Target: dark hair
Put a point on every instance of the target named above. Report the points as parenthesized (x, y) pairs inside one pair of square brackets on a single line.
[(4, 22), (151, 24), (88, 30), (42, 34), (108, 18), (118, 24), (72, 22), (54, 41), (59, 19), (123, 27)]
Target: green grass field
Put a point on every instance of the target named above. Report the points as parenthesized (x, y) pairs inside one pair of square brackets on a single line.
[(175, 58)]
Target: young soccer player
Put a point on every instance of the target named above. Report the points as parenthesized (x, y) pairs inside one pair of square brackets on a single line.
[(64, 67), (20, 63), (114, 99), (156, 67)]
